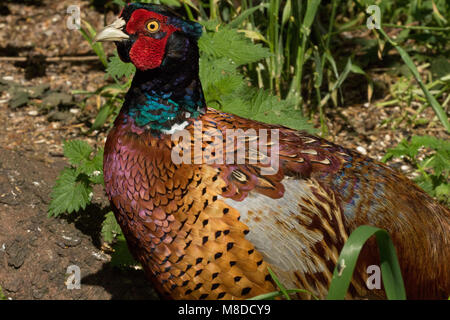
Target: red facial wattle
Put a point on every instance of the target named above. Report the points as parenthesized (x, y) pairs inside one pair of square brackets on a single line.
[(147, 51)]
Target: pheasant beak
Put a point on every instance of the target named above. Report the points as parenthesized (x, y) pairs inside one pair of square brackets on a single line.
[(113, 32)]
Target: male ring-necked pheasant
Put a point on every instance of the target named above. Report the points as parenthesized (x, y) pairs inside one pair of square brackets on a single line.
[(207, 228)]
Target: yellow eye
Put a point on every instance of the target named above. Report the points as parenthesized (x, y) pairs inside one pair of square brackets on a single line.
[(153, 26)]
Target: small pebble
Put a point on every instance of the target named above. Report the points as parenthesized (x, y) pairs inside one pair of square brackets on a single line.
[(361, 150)]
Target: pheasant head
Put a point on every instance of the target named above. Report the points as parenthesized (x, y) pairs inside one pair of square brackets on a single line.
[(166, 89)]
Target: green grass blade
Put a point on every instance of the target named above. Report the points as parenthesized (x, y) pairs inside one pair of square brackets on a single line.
[(431, 99), (89, 35), (310, 14), (244, 15), (279, 284), (311, 11), (390, 268), (102, 116), (276, 294)]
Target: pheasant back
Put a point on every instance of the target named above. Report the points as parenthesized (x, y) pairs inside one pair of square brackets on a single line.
[(206, 221)]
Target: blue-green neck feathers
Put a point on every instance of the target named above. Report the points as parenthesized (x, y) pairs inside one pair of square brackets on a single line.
[(160, 111)]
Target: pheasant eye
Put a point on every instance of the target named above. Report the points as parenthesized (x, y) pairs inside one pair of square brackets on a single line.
[(153, 26)]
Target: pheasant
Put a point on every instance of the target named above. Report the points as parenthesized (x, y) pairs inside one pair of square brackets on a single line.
[(208, 200)]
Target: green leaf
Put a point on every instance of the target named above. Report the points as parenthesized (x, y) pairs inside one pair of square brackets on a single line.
[(426, 185), (117, 68), (443, 192), (110, 228), (427, 141), (94, 168), (121, 256), (229, 43), (279, 284), (71, 192), (439, 162), (244, 15), (404, 148), (105, 111), (390, 268), (77, 151), (220, 79), (260, 105), (311, 10), (88, 34)]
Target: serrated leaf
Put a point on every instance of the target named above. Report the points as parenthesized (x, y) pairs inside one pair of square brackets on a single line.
[(94, 168), (229, 43), (404, 148), (77, 151), (117, 68), (71, 192), (425, 184), (439, 162), (220, 80), (260, 105), (443, 192), (210, 25), (110, 228), (427, 141)]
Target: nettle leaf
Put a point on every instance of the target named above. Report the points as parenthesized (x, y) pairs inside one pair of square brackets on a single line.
[(220, 79), (214, 69), (121, 257), (94, 168), (260, 105), (117, 68), (404, 148), (71, 192), (110, 228), (77, 151), (443, 192), (425, 184), (271, 109), (425, 141), (88, 166), (440, 162), (229, 43), (210, 25)]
